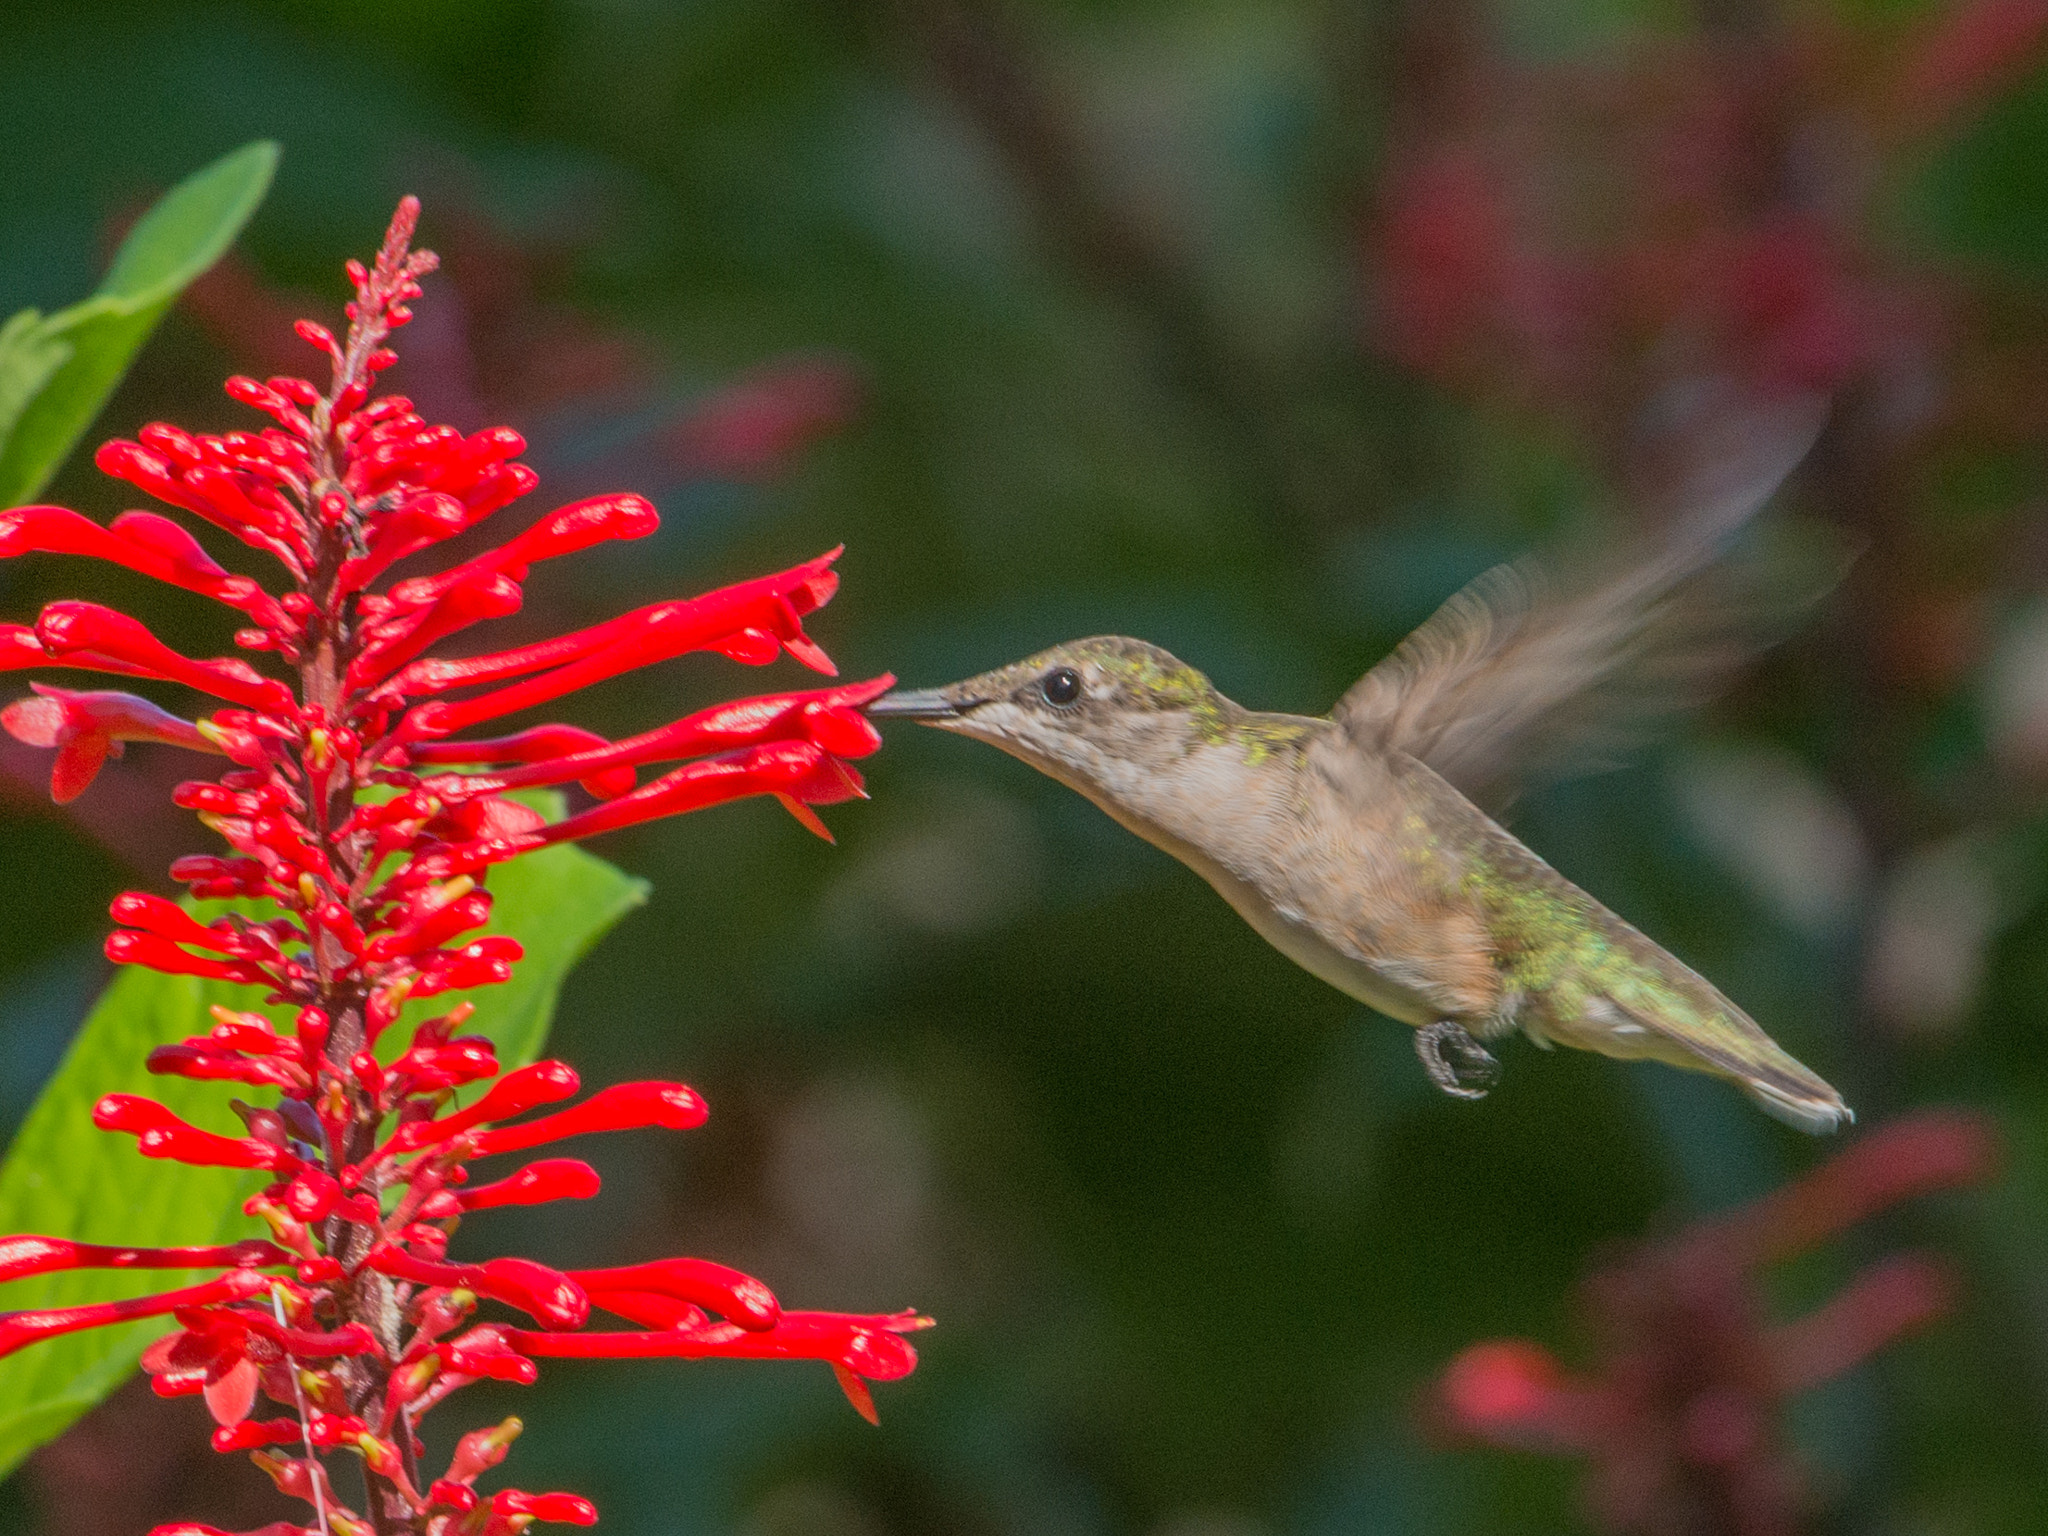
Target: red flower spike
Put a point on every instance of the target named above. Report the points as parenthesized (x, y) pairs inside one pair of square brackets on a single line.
[(349, 908)]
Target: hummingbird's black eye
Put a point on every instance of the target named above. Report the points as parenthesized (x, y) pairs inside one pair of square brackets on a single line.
[(1061, 686)]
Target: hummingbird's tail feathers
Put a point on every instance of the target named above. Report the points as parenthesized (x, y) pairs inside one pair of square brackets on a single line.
[(1516, 674), (1732, 1046), (1817, 1116)]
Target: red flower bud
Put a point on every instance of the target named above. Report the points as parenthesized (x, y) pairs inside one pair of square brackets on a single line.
[(621, 1107), (562, 532), (562, 1508), (547, 1294), (486, 1352), (484, 595), (480, 1450), (88, 635), (544, 1082), (127, 948), (159, 1133), (553, 1178), (251, 1433)]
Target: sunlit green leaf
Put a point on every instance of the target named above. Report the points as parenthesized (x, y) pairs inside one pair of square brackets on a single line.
[(56, 371)]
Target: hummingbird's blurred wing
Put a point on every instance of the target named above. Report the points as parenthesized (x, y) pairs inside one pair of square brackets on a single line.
[(1513, 676)]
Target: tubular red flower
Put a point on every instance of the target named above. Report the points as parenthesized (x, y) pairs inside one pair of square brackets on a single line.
[(797, 769), (141, 541), (159, 1133), (544, 1082), (71, 630), (738, 1297), (18, 1329), (158, 954), (26, 1255), (552, 1178), (547, 1294), (539, 744), (769, 607), (869, 1347), (483, 595), (564, 531), (1888, 1299), (621, 1107), (88, 728), (828, 718), (209, 494), (562, 1508)]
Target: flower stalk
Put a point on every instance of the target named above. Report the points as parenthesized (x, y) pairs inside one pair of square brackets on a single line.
[(354, 810)]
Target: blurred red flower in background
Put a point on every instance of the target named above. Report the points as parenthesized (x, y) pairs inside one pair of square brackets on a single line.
[(351, 1315), (1679, 1418)]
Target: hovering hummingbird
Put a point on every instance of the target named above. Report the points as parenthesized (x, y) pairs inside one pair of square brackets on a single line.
[(1351, 843)]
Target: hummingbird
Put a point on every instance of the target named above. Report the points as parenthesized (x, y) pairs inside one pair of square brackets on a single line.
[(1355, 842)]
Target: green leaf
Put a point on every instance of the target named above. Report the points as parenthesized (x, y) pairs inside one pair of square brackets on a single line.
[(28, 360), (557, 902), (57, 371), (63, 1178)]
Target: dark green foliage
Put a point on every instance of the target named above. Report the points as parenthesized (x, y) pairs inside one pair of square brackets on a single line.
[(1196, 1232)]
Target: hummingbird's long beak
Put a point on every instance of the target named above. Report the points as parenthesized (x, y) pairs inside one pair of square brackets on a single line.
[(919, 704)]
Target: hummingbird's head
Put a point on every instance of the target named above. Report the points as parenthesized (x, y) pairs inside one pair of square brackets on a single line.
[(1092, 713)]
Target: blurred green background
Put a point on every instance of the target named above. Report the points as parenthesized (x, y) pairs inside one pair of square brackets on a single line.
[(1253, 327)]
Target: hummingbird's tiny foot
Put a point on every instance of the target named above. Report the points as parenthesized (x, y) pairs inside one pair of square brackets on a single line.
[(1455, 1062)]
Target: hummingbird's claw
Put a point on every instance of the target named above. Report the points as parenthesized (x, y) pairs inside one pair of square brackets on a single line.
[(1455, 1062)]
